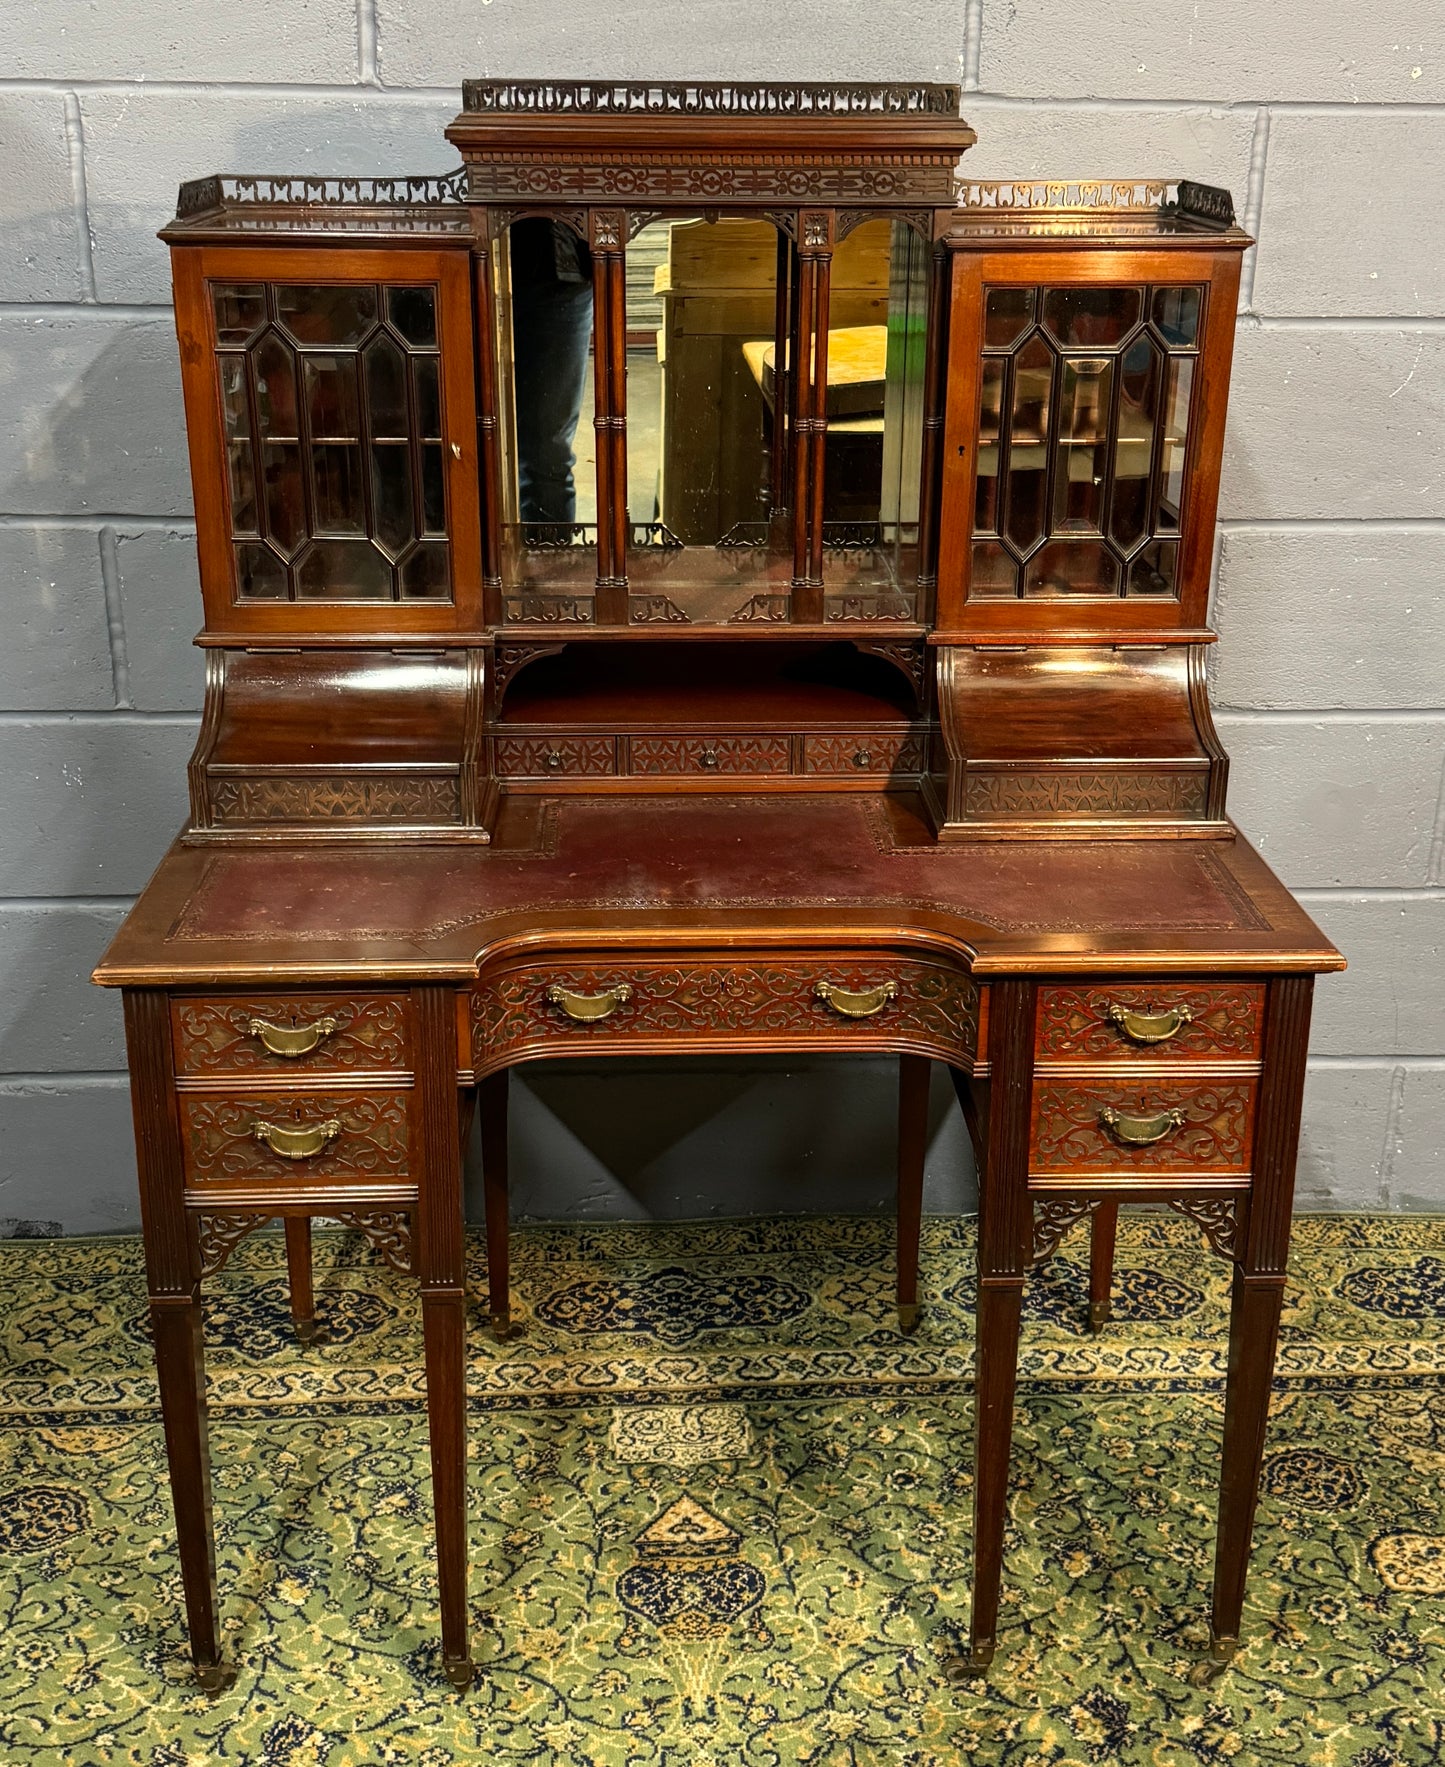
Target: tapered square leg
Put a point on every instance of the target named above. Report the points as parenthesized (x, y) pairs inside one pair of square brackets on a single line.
[(1103, 1232), (913, 1074), (444, 1337), (298, 1272), (1000, 1304), (492, 1100)]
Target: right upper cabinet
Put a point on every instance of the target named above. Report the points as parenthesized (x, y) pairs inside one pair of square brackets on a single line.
[(1088, 371)]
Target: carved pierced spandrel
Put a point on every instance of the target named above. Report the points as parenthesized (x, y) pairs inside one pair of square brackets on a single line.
[(508, 660), (335, 798), (214, 1035), (937, 1006), (1072, 1133), (221, 1144), (1053, 1218), (1225, 1021), (388, 1230), (910, 657), (1218, 1218), (217, 1236)]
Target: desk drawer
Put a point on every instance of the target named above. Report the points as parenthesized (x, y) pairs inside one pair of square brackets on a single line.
[(864, 752), (555, 757), (711, 754), (1165, 1021), (275, 1034), (240, 1141), (764, 1003), (1136, 1125)]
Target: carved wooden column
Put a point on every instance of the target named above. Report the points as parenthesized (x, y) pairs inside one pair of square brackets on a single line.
[(606, 234), (810, 403)]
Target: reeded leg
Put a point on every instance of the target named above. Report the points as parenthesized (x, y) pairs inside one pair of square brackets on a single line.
[(913, 1073), (298, 1272), (1103, 1231), (1254, 1311), (181, 1371), (492, 1094)]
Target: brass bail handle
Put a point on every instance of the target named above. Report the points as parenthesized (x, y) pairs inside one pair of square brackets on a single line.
[(290, 1041), (1150, 1027), (587, 1009), (297, 1144), (1140, 1131), (864, 1003)]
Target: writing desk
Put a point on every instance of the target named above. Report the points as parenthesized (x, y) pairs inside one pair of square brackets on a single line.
[(1139, 1011)]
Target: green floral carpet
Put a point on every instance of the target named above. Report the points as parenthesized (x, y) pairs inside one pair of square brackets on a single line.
[(720, 1511)]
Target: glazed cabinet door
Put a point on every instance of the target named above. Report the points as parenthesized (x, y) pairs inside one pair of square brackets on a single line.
[(1086, 403), (330, 402)]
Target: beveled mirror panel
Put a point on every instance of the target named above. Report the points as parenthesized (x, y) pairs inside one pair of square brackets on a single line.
[(333, 425)]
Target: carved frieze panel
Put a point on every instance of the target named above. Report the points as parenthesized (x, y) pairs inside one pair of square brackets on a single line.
[(229, 1034), (1006, 793), (340, 797), (1084, 1022), (225, 1138), (1164, 1126)]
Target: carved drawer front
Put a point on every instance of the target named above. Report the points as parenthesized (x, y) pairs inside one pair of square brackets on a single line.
[(702, 755), (1127, 1126), (764, 1003), (283, 1034), (555, 757), (864, 752), (1151, 1021), (294, 1139)]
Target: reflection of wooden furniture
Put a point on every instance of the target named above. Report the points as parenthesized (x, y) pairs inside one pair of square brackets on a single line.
[(444, 820), (718, 293), (853, 448)]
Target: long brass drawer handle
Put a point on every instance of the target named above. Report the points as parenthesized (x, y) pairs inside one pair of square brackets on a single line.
[(297, 1144), (861, 1005), (289, 1041), (1150, 1027), (1140, 1131), (586, 1009)]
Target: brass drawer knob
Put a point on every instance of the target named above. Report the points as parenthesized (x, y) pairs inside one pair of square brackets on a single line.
[(1150, 1027), (587, 1009), (553, 760), (708, 757), (1140, 1131), (297, 1144), (863, 758), (864, 1004), (290, 1041)]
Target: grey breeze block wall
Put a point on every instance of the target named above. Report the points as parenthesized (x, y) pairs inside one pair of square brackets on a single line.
[(1326, 120)]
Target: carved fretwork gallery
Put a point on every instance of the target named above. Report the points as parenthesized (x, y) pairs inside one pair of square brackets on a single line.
[(700, 579)]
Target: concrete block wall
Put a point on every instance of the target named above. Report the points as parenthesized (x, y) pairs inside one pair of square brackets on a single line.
[(1327, 121)]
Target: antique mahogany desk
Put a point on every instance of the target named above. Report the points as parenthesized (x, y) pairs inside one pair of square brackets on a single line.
[(699, 579)]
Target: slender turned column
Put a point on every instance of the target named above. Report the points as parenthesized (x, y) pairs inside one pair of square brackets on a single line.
[(439, 1254), (492, 1093), (810, 405), (173, 1282), (607, 232), (913, 1073), (1103, 1232), (1004, 1242), (298, 1275), (1258, 1290)]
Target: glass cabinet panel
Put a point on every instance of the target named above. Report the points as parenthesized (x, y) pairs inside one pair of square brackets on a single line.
[(1085, 402), (333, 424)]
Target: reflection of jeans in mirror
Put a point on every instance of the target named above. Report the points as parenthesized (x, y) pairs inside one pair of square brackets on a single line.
[(551, 331)]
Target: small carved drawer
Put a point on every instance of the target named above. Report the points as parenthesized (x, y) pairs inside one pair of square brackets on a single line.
[(710, 754), (1150, 1021), (864, 752), (776, 1003), (293, 1139), (223, 1034), (1144, 1126), (555, 757)]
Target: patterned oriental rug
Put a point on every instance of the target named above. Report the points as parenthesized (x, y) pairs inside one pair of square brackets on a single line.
[(720, 1511)]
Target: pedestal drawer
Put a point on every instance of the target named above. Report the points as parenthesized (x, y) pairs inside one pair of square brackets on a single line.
[(1140, 1125), (245, 1141), (275, 1034), (1165, 1021)]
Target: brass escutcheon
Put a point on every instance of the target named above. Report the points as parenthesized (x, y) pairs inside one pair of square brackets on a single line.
[(860, 1005), (297, 1144), (289, 1041), (586, 1009), (1140, 1131), (1150, 1027)]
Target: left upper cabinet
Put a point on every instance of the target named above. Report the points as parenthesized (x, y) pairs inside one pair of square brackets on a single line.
[(331, 407)]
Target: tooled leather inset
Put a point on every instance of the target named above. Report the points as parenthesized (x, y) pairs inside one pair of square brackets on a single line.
[(335, 798), (221, 1143), (1069, 1136), (1225, 1020), (932, 1004), (213, 1036)]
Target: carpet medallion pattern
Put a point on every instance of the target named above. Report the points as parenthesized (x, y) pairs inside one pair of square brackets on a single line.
[(720, 1510)]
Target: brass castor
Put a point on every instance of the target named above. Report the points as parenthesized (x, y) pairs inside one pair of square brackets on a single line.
[(1220, 1655), (458, 1670), (308, 1331), (215, 1677), (909, 1314), (973, 1666), (1100, 1314), (503, 1328)]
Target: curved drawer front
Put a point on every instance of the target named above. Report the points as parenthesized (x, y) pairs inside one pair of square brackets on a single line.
[(246, 1141), (778, 1003), (1141, 1126), (277, 1034), (1151, 1021)]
